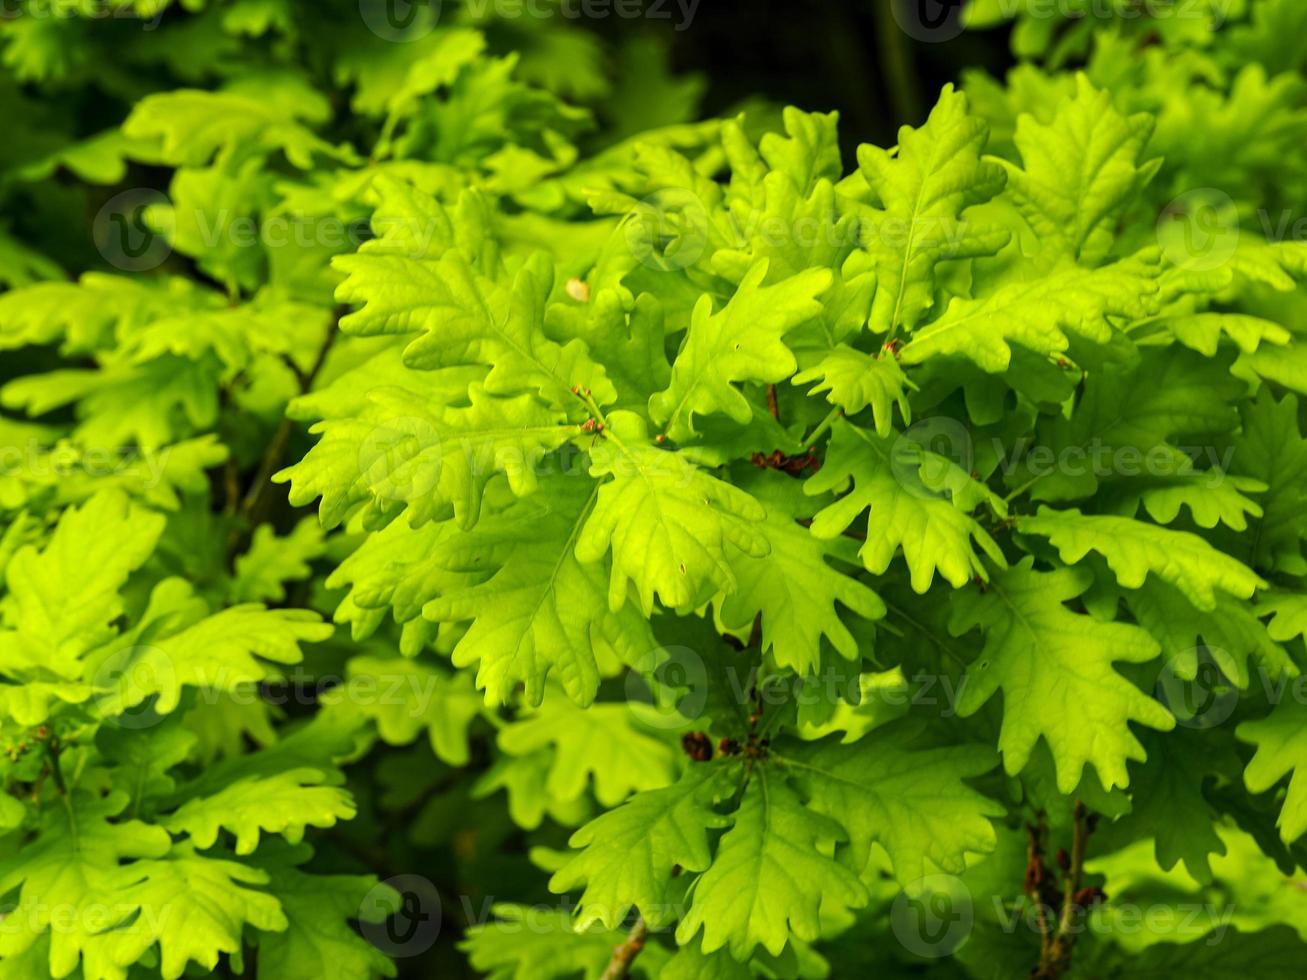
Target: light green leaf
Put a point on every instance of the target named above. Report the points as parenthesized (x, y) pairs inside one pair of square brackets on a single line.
[(600, 743), (541, 612), (917, 223), (1055, 670), (1281, 740), (671, 527), (1042, 314), (629, 855), (1134, 549), (912, 802), (853, 380), (741, 342), (1079, 171), (770, 878), (285, 804), (930, 522)]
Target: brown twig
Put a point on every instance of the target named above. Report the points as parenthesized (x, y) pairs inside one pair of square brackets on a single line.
[(1057, 945), (1037, 881), (255, 499), (624, 955)]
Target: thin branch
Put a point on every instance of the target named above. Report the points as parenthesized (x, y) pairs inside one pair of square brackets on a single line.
[(1036, 883), (897, 67), (56, 770), (1076, 872), (619, 967), (1056, 947), (255, 497), (825, 424)]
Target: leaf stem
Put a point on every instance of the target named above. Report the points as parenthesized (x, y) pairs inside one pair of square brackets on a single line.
[(619, 967), (897, 69), (592, 406), (1057, 945), (1022, 489), (52, 753), (826, 423), (255, 497)]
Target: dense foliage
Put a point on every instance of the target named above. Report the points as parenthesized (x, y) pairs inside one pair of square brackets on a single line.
[(462, 515)]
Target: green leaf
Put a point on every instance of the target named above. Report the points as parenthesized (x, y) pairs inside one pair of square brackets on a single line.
[(408, 449), (74, 867), (527, 943), (541, 612), (671, 527), (63, 598), (917, 223), (630, 855), (930, 523), (465, 315), (192, 125), (1275, 953), (228, 651), (911, 802), (1290, 615), (854, 380), (741, 342), (1271, 449), (1281, 740), (1230, 633), (195, 908), (795, 588), (1126, 425), (1055, 670), (318, 938), (692, 963), (404, 697), (770, 877), (1042, 315), (272, 561), (1079, 172), (283, 804), (1211, 496), (1134, 549), (1167, 801), (600, 743)]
